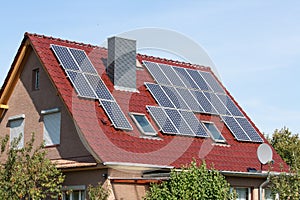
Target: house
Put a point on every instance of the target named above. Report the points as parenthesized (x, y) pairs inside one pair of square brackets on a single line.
[(125, 119)]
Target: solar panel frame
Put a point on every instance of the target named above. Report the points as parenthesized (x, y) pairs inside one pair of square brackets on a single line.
[(162, 120), (156, 73), (83, 61), (99, 87), (80, 84), (249, 129), (194, 123), (176, 99), (65, 57), (235, 128), (204, 102), (171, 75), (212, 82), (159, 95), (179, 122), (116, 115), (185, 77), (198, 79)]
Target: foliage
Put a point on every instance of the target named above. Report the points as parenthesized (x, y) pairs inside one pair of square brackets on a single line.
[(98, 192), (287, 145), (193, 182), (27, 173)]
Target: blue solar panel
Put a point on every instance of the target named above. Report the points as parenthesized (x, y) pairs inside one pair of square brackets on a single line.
[(198, 79), (194, 123), (83, 61), (189, 100), (215, 101), (156, 73), (185, 77), (162, 120), (116, 115), (230, 105), (175, 97), (171, 75), (213, 83), (249, 129), (203, 101), (99, 87), (159, 95), (179, 122), (235, 128), (80, 84), (65, 58)]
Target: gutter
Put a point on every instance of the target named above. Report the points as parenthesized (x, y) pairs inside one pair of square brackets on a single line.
[(139, 165)]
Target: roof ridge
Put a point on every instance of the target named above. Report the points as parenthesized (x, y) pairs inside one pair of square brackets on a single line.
[(60, 40)]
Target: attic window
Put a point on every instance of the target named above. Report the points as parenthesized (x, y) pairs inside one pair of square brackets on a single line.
[(214, 132), (143, 124), (36, 79)]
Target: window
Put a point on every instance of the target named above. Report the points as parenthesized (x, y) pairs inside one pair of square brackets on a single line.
[(74, 193), (36, 79), (16, 124), (243, 193), (268, 194), (52, 120), (214, 132), (143, 124)]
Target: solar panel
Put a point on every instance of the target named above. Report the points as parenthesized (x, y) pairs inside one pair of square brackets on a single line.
[(198, 79), (80, 84), (179, 122), (216, 102), (235, 128), (194, 123), (249, 129), (162, 120), (83, 61), (115, 115), (171, 75), (185, 77), (99, 87), (156, 73), (175, 97), (189, 100), (159, 95), (65, 58), (204, 102), (213, 83), (230, 105)]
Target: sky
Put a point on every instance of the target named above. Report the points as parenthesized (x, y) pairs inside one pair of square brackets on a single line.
[(255, 45)]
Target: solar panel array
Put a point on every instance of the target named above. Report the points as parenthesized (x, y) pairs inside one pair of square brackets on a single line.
[(88, 83), (179, 91)]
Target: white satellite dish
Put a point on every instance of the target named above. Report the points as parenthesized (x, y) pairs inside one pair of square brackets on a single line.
[(264, 153)]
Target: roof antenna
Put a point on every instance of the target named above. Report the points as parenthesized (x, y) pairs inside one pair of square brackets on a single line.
[(264, 154)]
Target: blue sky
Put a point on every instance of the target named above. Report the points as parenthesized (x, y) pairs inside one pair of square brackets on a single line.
[(254, 44)]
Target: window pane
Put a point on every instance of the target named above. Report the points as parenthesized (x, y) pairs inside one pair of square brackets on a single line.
[(242, 193), (17, 128), (52, 128), (143, 122), (214, 131)]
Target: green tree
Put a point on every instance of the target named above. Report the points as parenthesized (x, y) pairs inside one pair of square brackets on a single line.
[(287, 145), (192, 182), (26, 173), (98, 192)]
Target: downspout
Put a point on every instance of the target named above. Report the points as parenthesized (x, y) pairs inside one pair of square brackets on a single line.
[(261, 187)]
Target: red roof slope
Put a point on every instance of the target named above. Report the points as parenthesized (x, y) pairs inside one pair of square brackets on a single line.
[(112, 145)]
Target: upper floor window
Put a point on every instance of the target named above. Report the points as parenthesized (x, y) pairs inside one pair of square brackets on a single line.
[(74, 193), (214, 132), (243, 193), (143, 124), (36, 79), (16, 124), (52, 121)]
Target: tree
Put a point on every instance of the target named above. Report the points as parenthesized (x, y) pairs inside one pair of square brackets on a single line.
[(26, 173), (98, 192), (192, 182), (287, 145)]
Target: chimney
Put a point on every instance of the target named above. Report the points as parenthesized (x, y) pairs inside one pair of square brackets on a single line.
[(121, 63)]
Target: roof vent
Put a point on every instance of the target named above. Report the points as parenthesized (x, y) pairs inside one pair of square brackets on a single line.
[(121, 63)]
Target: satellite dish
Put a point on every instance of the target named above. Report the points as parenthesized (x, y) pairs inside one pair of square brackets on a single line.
[(264, 153)]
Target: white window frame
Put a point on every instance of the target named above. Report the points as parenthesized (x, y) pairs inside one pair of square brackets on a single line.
[(46, 113), (12, 134), (211, 135), (248, 192), (36, 79), (70, 189), (132, 114)]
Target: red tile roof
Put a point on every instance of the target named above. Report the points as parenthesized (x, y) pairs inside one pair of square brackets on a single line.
[(112, 145)]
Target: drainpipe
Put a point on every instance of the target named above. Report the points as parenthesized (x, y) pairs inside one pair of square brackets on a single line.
[(261, 187)]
